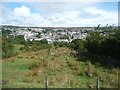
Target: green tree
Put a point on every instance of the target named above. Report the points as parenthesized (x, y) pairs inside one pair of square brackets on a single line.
[(94, 42), (19, 40), (44, 41), (78, 45), (7, 48)]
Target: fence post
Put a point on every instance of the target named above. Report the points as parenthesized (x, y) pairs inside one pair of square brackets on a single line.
[(46, 83), (118, 80), (98, 86)]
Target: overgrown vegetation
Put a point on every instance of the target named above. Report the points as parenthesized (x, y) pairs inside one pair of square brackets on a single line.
[(75, 64), (29, 70), (7, 47), (104, 44), (35, 45)]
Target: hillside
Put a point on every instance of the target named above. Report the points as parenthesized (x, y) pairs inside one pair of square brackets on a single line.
[(29, 69)]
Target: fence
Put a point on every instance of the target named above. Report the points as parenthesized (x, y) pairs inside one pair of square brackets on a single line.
[(97, 85)]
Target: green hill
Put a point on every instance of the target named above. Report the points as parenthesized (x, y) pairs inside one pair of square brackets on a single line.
[(29, 69)]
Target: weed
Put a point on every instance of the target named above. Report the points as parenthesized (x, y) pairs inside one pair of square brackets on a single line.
[(89, 69)]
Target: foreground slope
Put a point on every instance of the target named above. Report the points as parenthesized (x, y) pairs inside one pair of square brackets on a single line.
[(29, 69)]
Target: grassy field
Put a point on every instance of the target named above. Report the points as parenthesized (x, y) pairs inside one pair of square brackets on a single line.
[(29, 69)]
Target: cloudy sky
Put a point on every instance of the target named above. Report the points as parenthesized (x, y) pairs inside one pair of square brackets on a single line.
[(59, 13)]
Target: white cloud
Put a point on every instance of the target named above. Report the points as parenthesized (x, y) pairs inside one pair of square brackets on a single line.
[(106, 16), (22, 11), (79, 16), (75, 18), (22, 16)]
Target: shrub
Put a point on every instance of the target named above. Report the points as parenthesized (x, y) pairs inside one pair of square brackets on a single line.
[(34, 65), (7, 48)]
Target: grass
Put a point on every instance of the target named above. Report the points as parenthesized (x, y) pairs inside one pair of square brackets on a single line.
[(29, 69)]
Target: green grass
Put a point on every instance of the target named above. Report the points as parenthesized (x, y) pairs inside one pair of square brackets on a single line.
[(29, 69)]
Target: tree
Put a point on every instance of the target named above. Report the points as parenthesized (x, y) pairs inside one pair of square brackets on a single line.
[(94, 42), (104, 44), (5, 32), (78, 45), (19, 40), (7, 48), (98, 27), (44, 41)]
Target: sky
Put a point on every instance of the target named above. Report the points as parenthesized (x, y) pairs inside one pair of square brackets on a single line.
[(59, 14)]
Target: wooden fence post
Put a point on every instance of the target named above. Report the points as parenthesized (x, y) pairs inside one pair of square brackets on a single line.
[(46, 83), (98, 86)]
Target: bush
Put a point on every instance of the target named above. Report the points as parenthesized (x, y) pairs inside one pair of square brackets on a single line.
[(78, 45), (35, 45), (7, 48), (19, 40)]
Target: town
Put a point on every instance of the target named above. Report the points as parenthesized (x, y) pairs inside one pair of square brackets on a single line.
[(56, 34)]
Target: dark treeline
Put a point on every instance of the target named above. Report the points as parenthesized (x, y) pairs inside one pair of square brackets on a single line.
[(102, 46)]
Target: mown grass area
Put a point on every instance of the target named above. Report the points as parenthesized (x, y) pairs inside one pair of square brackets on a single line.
[(29, 69)]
